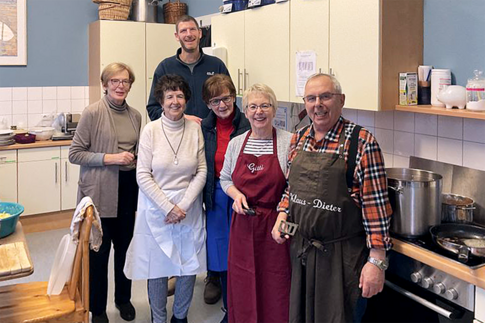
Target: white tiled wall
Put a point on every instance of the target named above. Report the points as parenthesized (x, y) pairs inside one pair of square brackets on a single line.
[(400, 134), (25, 106)]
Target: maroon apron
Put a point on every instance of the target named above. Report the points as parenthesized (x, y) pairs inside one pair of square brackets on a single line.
[(259, 269)]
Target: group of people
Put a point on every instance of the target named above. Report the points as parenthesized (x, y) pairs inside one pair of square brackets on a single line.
[(213, 187)]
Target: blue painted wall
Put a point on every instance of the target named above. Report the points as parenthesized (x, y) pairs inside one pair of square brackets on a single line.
[(454, 36), (57, 32), (57, 45)]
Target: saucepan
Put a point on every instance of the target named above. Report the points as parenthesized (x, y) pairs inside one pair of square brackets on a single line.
[(457, 208), (461, 239)]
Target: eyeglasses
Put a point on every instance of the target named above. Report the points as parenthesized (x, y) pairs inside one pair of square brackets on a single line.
[(265, 107), (116, 82), (327, 96), (216, 102)]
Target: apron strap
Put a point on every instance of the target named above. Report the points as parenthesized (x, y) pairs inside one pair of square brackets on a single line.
[(351, 160), (320, 245)]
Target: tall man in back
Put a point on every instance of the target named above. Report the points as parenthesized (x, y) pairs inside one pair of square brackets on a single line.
[(195, 67), (190, 63)]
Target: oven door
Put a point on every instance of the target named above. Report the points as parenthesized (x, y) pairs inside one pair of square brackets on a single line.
[(400, 301)]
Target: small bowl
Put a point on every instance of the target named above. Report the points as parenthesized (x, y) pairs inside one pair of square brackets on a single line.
[(8, 225), (42, 133)]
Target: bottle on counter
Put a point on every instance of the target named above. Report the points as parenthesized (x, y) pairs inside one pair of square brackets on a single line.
[(475, 92)]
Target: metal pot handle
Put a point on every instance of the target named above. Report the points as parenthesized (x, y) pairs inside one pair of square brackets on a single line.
[(398, 189), (463, 253)]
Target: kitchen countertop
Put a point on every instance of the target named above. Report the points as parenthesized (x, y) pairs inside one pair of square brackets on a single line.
[(452, 267), (38, 144)]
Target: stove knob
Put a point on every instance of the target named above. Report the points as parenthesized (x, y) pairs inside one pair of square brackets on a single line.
[(427, 282), (439, 288), (451, 294), (416, 277)]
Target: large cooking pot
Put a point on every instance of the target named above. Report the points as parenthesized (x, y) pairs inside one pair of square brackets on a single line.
[(415, 197), (144, 10), (457, 208), (461, 239)]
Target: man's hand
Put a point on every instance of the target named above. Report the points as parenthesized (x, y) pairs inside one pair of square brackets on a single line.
[(275, 233), (124, 158), (175, 215), (193, 118), (371, 280)]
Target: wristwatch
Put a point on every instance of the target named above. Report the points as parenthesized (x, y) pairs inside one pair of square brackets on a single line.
[(381, 264)]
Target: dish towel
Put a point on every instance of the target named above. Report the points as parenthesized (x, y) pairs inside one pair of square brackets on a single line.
[(96, 236)]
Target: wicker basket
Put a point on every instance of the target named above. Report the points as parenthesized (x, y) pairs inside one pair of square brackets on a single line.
[(113, 9), (172, 11)]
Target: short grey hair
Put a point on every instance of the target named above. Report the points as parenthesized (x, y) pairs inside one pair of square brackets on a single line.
[(261, 89), (336, 84)]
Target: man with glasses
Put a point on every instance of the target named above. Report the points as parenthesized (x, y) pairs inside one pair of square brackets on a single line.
[(190, 63), (337, 194)]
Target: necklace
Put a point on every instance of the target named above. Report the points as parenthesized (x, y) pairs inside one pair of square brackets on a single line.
[(175, 152)]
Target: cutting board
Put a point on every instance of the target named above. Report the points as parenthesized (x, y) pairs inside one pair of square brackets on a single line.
[(13, 259)]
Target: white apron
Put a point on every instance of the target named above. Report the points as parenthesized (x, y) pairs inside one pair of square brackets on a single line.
[(163, 250)]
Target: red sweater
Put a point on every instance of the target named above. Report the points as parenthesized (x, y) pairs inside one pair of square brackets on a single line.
[(224, 129)]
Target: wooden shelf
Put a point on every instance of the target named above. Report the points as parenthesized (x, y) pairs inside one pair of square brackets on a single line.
[(429, 109)]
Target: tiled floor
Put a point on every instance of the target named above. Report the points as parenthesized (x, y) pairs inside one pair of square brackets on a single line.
[(43, 247)]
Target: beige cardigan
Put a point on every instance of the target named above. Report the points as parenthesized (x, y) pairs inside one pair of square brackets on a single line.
[(96, 136)]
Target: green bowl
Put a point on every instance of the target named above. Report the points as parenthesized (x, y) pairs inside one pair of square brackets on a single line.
[(7, 225)]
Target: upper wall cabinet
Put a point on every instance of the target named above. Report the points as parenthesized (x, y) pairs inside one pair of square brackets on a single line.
[(257, 46), (371, 42), (140, 45), (364, 43)]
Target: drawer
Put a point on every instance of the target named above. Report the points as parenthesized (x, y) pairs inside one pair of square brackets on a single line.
[(36, 154), (8, 156)]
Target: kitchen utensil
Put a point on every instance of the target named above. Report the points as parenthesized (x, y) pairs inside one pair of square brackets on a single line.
[(287, 228), (461, 239), (457, 208), (8, 225), (42, 133), (415, 197)]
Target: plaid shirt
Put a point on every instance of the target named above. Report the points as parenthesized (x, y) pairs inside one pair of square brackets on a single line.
[(369, 189)]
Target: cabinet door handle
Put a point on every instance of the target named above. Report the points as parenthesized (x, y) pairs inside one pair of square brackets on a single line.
[(3, 160), (320, 70), (56, 172), (245, 80), (330, 71), (239, 74), (65, 170)]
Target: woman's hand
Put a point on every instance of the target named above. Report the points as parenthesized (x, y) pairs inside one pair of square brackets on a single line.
[(275, 233), (175, 215), (239, 201), (124, 158)]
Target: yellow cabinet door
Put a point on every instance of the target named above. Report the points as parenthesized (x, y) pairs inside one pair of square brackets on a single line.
[(267, 48), (309, 31), (118, 41), (227, 31), (160, 44)]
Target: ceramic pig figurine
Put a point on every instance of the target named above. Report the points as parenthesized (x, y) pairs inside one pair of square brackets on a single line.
[(453, 96)]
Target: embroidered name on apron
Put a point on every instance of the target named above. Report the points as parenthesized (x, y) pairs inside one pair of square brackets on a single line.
[(316, 203), (254, 168)]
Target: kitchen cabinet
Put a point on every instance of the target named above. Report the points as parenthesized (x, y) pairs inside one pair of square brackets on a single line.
[(309, 30), (140, 45), (39, 185), (257, 46), (69, 181), (365, 44), (8, 176)]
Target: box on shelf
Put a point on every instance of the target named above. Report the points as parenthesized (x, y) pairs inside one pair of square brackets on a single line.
[(408, 88)]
